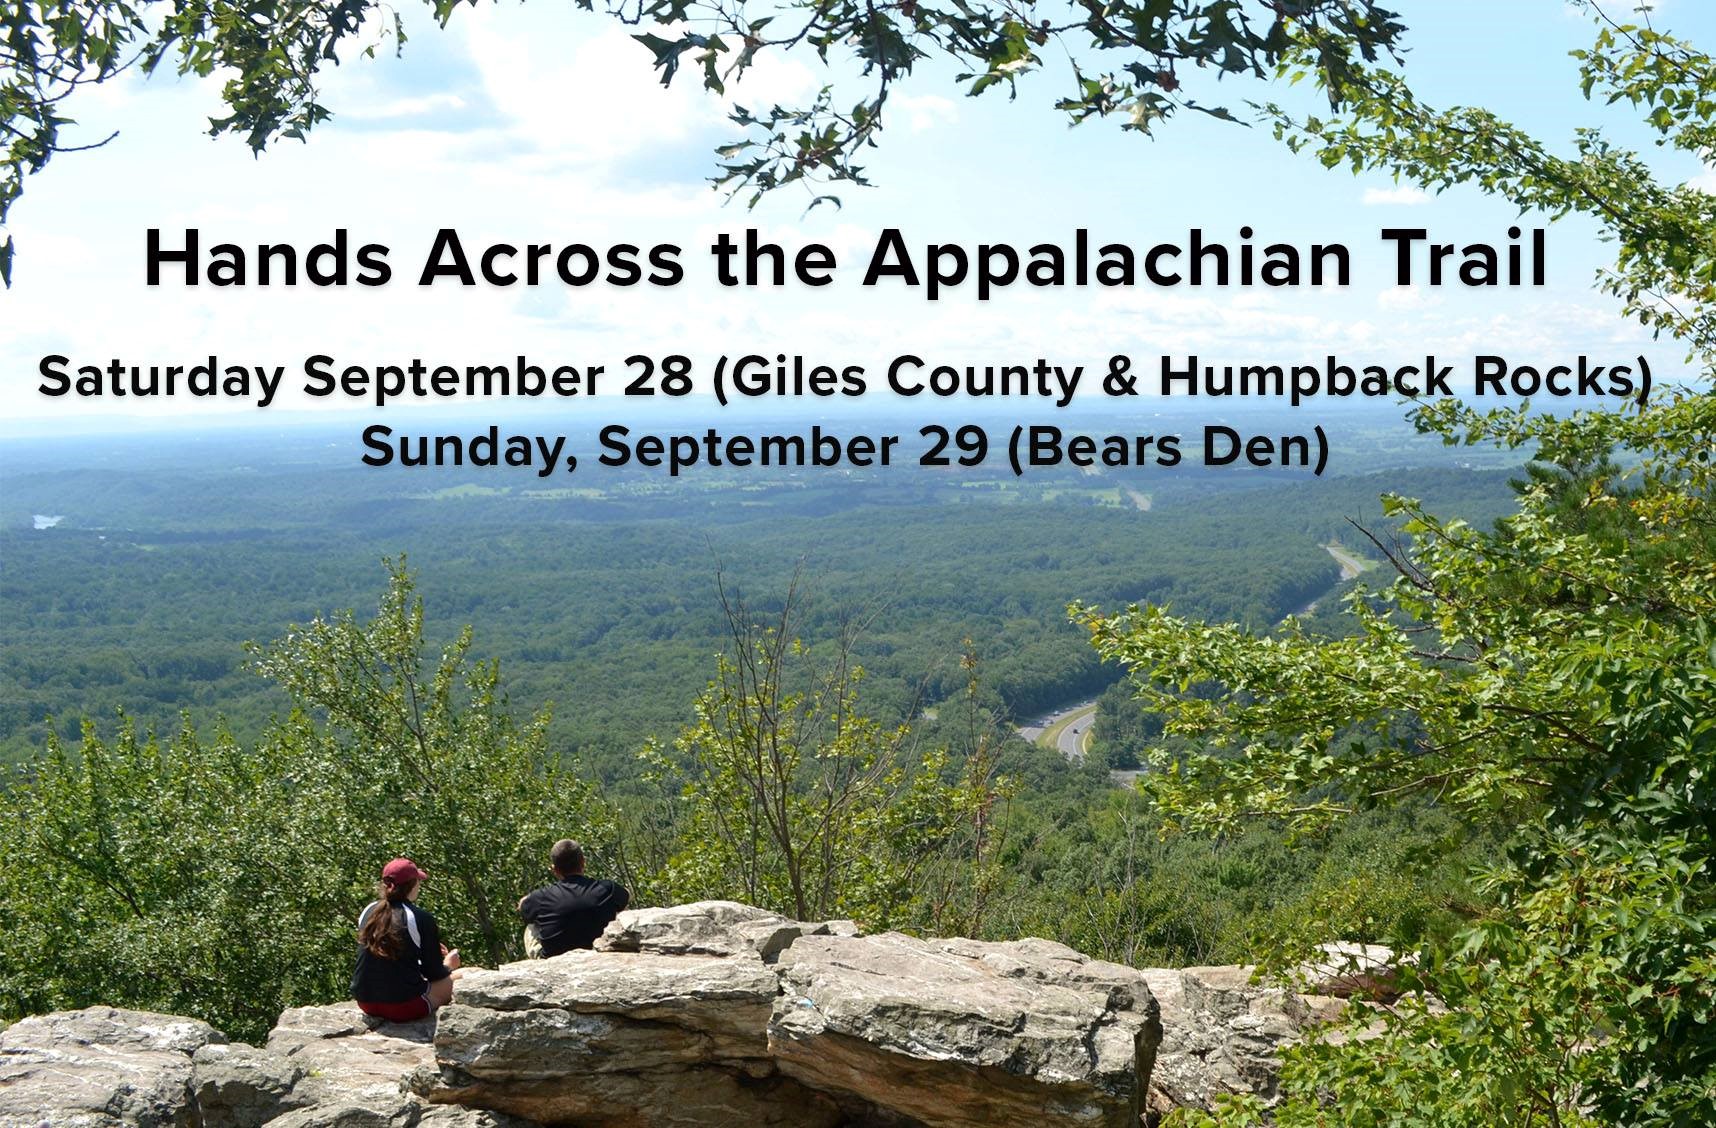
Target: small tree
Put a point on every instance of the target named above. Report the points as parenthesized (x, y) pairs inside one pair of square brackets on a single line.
[(135, 875), (1558, 672), (792, 798), (430, 762), (960, 885)]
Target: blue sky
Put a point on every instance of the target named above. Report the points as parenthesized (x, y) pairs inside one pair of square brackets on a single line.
[(539, 123)]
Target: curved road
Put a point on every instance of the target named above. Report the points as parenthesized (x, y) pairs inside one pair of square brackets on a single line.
[(1351, 565), (1072, 738), (1351, 562), (1073, 728), (1070, 727)]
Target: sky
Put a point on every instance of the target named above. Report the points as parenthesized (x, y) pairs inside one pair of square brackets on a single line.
[(540, 123)]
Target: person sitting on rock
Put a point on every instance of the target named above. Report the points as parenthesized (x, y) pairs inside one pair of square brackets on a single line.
[(403, 970), (572, 911)]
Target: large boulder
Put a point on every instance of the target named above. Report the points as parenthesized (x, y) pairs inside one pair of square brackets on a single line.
[(100, 1068), (345, 1058), (240, 1086), (712, 928), (718, 1013), (329, 1067), (965, 1033), (621, 1039), (1223, 1034)]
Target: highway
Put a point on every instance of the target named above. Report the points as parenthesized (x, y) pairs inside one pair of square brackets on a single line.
[(1351, 565), (1068, 729)]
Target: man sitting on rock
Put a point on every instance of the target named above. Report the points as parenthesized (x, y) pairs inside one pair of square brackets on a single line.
[(574, 910)]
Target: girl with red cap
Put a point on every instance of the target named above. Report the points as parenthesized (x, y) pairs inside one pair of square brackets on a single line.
[(403, 971)]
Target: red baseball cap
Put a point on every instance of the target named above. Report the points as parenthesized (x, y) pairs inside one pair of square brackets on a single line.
[(402, 871)]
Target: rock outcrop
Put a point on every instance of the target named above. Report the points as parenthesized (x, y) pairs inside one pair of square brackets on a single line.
[(1223, 1034), (708, 1014), (621, 1039), (323, 1067), (718, 1013), (712, 928), (964, 1033), (100, 1068)]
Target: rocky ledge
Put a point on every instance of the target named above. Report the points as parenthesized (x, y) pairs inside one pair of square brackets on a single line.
[(714, 1013)]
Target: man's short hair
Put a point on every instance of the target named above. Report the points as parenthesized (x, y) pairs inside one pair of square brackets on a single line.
[(566, 856)]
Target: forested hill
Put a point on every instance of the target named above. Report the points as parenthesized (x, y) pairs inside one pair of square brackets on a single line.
[(167, 557)]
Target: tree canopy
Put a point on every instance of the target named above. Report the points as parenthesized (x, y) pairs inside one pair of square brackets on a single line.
[(1129, 59), (1557, 672)]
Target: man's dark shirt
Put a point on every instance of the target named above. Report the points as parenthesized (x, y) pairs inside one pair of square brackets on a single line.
[(572, 912)]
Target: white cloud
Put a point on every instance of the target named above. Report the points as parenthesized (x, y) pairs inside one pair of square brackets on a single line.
[(403, 107), (924, 111), (1401, 194), (599, 99), (594, 100), (1401, 298)]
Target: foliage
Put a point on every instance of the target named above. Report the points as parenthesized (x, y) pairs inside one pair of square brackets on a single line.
[(137, 874), (1572, 673), (1129, 58), (1664, 272), (1561, 667), (142, 597), (795, 800), (431, 762), (272, 55), (216, 880), (51, 48), (1096, 872), (1578, 1001)]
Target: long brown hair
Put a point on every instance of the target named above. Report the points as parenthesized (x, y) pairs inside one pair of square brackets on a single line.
[(379, 934)]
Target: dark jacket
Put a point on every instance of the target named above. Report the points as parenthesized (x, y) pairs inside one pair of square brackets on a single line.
[(571, 913), (378, 980)]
